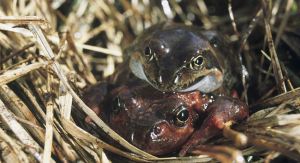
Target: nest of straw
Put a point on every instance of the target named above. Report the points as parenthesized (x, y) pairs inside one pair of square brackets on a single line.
[(51, 50)]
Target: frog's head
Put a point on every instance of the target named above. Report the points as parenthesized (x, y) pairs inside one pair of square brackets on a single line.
[(153, 121), (177, 58)]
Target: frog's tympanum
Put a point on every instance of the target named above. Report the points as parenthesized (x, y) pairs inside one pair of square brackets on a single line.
[(161, 123), (179, 58)]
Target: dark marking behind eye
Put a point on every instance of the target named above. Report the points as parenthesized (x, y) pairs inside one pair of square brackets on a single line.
[(117, 105)]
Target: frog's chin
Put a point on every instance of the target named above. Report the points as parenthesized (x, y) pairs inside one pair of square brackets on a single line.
[(206, 85)]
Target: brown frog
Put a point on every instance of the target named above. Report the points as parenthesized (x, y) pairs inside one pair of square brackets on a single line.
[(161, 123), (178, 58)]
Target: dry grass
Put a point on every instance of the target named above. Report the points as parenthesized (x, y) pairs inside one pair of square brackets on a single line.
[(51, 50)]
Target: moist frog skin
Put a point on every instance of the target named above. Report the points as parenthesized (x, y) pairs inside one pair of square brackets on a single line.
[(179, 58), (162, 123)]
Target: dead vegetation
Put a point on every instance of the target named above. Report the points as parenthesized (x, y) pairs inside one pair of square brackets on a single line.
[(50, 50)]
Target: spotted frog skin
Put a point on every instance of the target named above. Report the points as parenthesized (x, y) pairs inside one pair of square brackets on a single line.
[(162, 123), (179, 58)]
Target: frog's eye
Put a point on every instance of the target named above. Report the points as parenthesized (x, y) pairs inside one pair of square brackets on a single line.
[(147, 51), (182, 115), (117, 105), (197, 63)]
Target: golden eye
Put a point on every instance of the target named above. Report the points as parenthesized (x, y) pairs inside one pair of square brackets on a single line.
[(148, 52), (197, 63), (182, 116)]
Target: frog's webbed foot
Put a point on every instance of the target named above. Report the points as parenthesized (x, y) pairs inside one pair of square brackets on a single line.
[(221, 153), (222, 110)]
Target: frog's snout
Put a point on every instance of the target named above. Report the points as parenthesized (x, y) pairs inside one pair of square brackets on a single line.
[(166, 80), (157, 131), (160, 139)]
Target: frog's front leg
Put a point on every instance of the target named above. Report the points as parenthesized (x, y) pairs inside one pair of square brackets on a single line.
[(222, 110), (93, 96)]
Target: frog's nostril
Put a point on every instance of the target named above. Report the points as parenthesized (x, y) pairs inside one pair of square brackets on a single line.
[(160, 79), (156, 132), (176, 80), (163, 78)]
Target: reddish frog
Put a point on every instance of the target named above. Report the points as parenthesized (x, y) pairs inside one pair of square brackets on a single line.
[(161, 123)]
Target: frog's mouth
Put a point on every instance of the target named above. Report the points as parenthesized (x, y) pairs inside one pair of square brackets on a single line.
[(207, 83)]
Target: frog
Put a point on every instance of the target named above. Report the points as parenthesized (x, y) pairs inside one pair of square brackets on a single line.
[(162, 123), (179, 58)]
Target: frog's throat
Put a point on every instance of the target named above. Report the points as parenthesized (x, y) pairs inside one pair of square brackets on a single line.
[(209, 83), (137, 69)]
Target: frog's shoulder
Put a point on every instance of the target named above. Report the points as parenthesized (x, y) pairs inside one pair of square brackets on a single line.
[(213, 36), (233, 67), (216, 38)]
